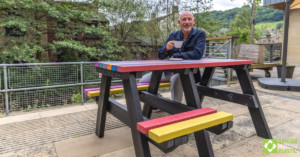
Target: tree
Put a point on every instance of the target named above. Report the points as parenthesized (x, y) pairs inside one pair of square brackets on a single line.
[(255, 5), (26, 25), (198, 7), (279, 26), (124, 16), (208, 23), (241, 25)]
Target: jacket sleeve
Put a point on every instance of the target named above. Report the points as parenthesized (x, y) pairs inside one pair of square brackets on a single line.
[(198, 50), (163, 53)]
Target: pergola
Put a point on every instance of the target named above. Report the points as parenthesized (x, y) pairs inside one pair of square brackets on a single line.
[(283, 83)]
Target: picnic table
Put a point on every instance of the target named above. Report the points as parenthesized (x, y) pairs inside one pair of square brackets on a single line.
[(133, 115)]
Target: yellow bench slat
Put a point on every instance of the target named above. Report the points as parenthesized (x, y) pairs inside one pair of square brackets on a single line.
[(172, 131), (121, 90)]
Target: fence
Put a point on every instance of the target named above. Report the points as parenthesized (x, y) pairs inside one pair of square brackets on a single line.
[(219, 47), (273, 51), (38, 85)]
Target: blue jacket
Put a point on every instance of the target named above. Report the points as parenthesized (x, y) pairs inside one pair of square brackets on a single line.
[(192, 48)]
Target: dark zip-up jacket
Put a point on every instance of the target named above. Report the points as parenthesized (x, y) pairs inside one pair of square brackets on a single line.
[(192, 48)]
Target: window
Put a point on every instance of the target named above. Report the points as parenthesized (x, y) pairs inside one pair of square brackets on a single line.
[(61, 24), (14, 31), (91, 36)]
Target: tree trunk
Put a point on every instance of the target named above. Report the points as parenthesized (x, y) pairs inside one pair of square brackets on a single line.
[(252, 22)]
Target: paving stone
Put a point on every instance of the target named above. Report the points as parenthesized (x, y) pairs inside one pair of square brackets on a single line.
[(288, 130), (289, 105), (243, 124), (63, 111), (277, 116), (227, 138), (91, 145), (235, 109), (19, 118), (33, 133), (249, 147), (47, 150), (129, 151)]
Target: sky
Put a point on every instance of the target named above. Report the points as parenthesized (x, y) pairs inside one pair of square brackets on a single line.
[(227, 4)]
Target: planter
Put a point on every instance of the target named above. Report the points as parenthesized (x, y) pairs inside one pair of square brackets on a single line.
[(289, 71)]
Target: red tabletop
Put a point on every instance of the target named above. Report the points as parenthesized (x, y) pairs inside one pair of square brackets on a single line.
[(150, 65)]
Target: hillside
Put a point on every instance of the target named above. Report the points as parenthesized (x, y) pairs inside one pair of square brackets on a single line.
[(263, 15), (269, 25)]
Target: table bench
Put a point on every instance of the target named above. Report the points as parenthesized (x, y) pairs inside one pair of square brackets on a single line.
[(94, 92), (133, 114)]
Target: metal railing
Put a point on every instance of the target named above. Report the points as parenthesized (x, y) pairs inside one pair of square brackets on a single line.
[(220, 48), (273, 51), (37, 85)]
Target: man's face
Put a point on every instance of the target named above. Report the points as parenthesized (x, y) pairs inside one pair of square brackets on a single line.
[(186, 22)]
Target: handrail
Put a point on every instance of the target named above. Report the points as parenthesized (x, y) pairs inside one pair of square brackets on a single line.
[(226, 43), (219, 38)]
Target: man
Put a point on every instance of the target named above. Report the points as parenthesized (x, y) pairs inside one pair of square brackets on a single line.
[(192, 48)]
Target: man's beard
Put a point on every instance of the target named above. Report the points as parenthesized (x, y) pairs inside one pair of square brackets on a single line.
[(187, 29)]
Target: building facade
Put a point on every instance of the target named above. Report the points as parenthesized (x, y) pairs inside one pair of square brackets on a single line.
[(293, 50)]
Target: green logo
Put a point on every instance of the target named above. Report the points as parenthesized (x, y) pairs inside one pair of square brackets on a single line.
[(270, 146)]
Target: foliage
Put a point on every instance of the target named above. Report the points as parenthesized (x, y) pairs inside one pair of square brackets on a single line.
[(279, 25), (263, 14), (26, 24), (270, 25), (241, 26), (76, 98), (125, 16), (242, 19), (207, 23), (199, 8)]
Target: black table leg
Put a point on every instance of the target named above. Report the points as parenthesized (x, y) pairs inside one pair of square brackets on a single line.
[(192, 98), (135, 115), (102, 104), (257, 114), (153, 88), (206, 78)]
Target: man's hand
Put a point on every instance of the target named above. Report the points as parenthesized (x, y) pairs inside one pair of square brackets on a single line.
[(170, 45)]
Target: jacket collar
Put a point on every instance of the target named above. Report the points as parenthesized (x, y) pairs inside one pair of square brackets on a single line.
[(180, 35), (187, 39)]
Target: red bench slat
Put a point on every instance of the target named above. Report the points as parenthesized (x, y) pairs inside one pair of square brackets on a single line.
[(145, 126)]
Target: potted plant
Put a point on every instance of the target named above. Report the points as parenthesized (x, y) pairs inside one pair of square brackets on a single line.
[(289, 70)]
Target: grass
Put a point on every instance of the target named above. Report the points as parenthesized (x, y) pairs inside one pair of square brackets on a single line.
[(267, 25)]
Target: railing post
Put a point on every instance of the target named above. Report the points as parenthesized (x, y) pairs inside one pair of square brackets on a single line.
[(271, 53), (207, 49), (5, 90), (230, 56), (81, 81)]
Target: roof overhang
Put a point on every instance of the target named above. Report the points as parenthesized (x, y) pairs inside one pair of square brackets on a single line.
[(281, 5)]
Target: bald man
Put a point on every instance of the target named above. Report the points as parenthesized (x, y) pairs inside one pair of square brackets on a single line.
[(192, 48), (193, 40)]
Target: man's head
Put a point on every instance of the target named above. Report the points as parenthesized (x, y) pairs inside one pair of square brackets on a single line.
[(186, 21)]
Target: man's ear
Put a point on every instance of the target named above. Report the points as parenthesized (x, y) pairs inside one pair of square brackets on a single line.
[(178, 21), (194, 21)]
